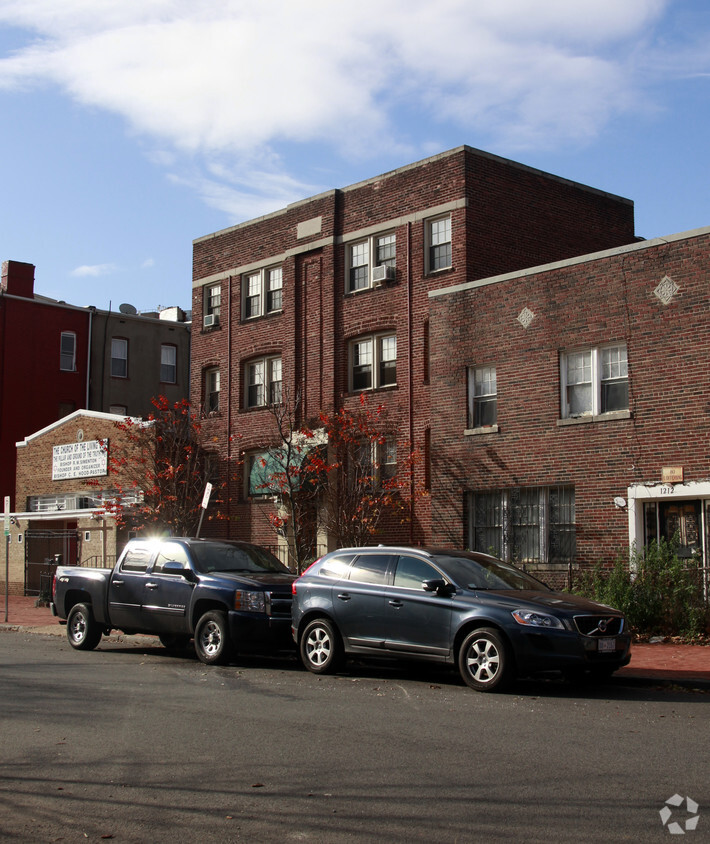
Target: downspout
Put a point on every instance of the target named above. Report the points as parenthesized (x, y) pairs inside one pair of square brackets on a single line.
[(229, 406), (88, 356), (411, 382)]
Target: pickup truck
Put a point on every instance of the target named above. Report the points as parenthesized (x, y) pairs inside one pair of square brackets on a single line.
[(228, 596)]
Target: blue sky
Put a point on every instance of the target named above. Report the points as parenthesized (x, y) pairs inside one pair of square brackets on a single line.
[(131, 127)]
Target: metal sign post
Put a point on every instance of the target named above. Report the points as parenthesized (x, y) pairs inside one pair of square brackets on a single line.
[(6, 519)]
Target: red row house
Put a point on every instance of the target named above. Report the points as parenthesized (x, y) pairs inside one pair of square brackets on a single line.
[(328, 299), (44, 349), (573, 407)]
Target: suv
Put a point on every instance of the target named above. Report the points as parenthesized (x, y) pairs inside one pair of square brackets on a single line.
[(472, 610)]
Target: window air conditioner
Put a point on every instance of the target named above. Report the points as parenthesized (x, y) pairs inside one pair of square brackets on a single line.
[(382, 274), (210, 320)]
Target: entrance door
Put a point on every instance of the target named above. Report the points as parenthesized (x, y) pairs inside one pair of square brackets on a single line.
[(681, 518), (55, 543)]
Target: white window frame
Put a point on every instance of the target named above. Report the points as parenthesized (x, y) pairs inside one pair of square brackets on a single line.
[(116, 346), (63, 355), (369, 248), (213, 300), (262, 286), (164, 365), (265, 373), (380, 354), (593, 372), (212, 390), (432, 240), (482, 389)]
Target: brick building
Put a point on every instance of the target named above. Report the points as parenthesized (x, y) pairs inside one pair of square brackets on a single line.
[(328, 298), (62, 483), (572, 406)]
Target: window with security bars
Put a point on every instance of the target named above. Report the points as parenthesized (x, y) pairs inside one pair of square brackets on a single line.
[(524, 524)]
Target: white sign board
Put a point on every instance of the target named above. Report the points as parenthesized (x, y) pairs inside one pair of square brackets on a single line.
[(6, 515), (80, 460), (206, 496)]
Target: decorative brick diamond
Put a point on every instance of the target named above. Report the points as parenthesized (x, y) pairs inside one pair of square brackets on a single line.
[(525, 317), (666, 290)]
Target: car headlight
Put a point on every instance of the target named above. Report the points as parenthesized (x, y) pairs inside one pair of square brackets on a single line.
[(249, 601), (530, 618)]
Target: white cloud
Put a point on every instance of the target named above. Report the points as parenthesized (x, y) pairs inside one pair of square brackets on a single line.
[(224, 84), (94, 270)]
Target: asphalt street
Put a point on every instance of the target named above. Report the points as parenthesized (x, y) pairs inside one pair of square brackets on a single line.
[(135, 744)]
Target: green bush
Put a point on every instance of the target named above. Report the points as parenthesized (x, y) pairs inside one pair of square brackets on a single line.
[(659, 592)]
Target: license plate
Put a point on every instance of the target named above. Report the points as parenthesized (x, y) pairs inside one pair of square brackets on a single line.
[(606, 645)]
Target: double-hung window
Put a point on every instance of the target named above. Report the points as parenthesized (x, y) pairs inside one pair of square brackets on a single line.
[(262, 292), (119, 358), (373, 362), (371, 261), (263, 382), (482, 397), (594, 381), (438, 240), (168, 364), (212, 305), (212, 387), (67, 351)]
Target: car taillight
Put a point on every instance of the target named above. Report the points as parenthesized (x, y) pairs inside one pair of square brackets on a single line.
[(54, 586), (303, 573)]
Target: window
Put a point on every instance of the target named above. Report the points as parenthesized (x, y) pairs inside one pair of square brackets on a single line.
[(383, 248), (263, 292), (438, 237), (412, 572), (168, 364), (370, 568), (67, 351), (212, 390), (259, 473), (373, 461), (263, 382), (119, 358), (212, 305), (118, 409), (482, 397), (373, 362), (524, 524), (594, 381), (170, 552)]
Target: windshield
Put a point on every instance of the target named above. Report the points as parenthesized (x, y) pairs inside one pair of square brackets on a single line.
[(483, 572), (227, 556)]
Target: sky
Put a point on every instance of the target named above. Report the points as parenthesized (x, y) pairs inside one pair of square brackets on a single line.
[(131, 127)]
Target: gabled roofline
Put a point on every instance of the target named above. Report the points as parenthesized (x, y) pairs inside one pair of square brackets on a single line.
[(77, 414)]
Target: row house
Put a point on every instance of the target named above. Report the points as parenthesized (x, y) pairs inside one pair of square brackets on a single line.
[(327, 300)]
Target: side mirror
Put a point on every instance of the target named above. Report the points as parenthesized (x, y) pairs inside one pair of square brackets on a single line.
[(173, 567), (438, 585)]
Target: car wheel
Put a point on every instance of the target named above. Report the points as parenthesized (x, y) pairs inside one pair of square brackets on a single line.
[(321, 647), (485, 663), (212, 643), (173, 641), (83, 632)]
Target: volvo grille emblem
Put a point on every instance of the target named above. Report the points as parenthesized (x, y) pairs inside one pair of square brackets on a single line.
[(602, 625)]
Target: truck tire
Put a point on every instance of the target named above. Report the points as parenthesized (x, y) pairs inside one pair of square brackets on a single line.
[(83, 632), (212, 643)]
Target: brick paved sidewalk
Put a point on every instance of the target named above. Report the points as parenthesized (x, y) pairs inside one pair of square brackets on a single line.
[(663, 662)]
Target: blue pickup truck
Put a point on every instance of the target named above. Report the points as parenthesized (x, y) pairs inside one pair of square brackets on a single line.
[(228, 596)]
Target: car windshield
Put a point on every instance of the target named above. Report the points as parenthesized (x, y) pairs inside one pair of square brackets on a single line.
[(227, 556), (483, 572)]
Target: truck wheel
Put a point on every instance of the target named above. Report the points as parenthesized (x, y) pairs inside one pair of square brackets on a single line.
[(83, 632), (212, 643), (321, 647), (174, 641)]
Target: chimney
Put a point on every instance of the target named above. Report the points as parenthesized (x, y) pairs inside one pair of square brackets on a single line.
[(18, 279)]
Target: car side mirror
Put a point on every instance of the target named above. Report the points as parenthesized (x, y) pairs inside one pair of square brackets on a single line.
[(438, 585), (173, 567)]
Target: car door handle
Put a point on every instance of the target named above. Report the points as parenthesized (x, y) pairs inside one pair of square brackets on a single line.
[(344, 596), (151, 585), (396, 603), (116, 583)]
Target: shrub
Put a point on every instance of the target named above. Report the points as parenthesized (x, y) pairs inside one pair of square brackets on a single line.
[(658, 591)]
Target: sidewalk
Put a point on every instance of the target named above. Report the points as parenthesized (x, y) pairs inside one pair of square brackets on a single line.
[(672, 664)]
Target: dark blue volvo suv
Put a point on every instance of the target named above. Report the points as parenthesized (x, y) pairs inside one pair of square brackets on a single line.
[(492, 620)]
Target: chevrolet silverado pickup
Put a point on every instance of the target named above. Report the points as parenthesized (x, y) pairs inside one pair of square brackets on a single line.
[(227, 596)]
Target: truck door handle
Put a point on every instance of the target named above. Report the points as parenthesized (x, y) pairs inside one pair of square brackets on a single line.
[(151, 585), (396, 603), (117, 582), (344, 596)]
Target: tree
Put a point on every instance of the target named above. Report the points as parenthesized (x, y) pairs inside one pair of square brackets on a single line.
[(161, 469), (340, 476)]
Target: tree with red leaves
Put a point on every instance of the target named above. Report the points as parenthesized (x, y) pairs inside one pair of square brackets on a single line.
[(161, 469)]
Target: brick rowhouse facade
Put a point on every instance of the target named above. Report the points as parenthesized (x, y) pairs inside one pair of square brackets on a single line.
[(449, 219), (628, 475)]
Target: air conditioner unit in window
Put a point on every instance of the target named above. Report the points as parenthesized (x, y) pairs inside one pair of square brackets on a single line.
[(382, 274), (211, 320)]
